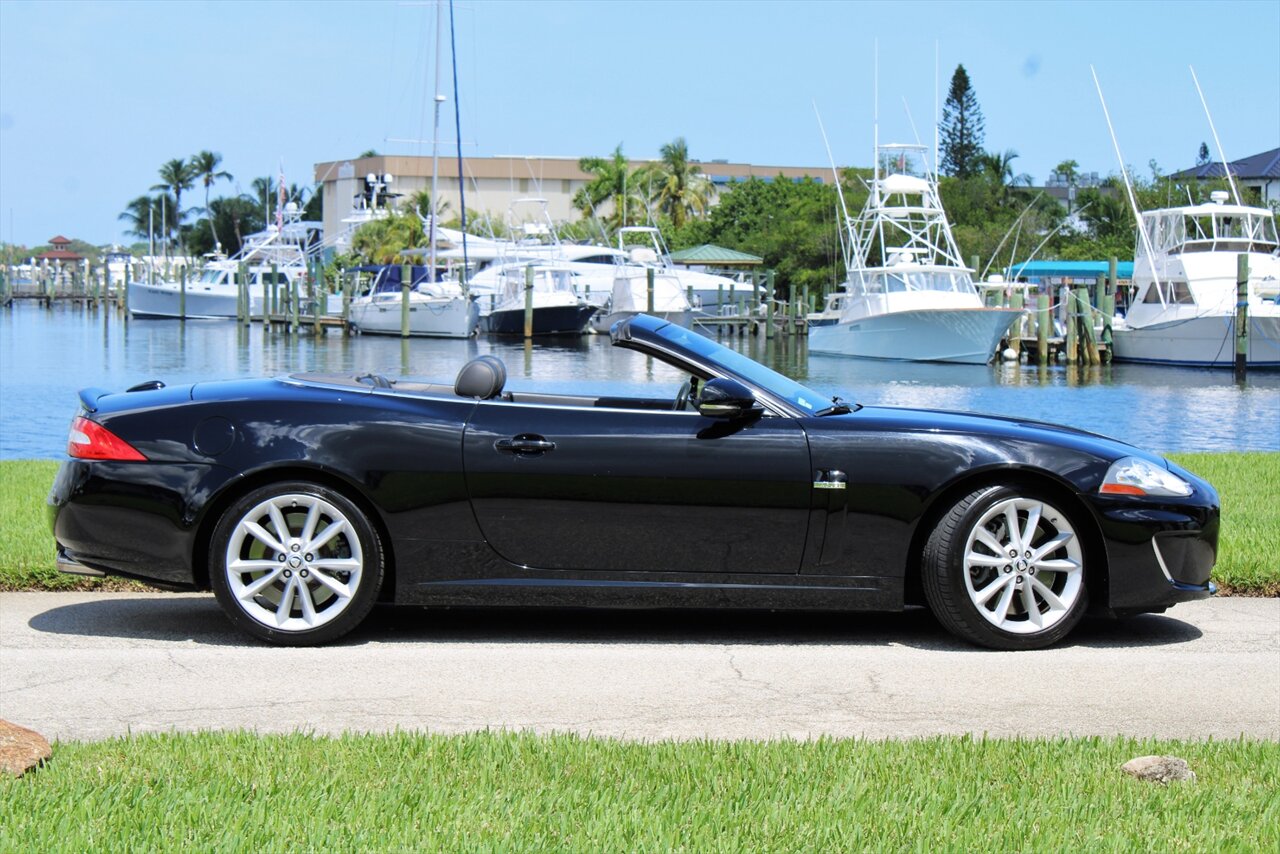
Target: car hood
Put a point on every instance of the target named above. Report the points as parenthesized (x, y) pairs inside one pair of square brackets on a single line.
[(995, 426)]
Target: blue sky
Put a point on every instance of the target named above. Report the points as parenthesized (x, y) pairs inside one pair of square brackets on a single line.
[(94, 97)]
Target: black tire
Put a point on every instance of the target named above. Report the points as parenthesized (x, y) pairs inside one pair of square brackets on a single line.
[(329, 575), (982, 595)]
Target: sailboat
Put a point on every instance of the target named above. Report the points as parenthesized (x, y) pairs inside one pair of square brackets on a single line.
[(908, 295)]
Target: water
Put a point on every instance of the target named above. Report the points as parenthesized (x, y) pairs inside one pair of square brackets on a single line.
[(47, 356)]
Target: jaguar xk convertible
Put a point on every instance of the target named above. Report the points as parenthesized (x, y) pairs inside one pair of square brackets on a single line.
[(303, 500)]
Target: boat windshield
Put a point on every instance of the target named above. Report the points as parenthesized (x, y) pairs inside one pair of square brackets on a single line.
[(210, 277), (799, 396), (906, 280)]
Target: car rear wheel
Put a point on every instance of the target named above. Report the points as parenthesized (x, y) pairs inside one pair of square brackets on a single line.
[(1005, 568), (296, 564)]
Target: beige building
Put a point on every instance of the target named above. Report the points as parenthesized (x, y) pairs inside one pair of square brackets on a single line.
[(492, 183)]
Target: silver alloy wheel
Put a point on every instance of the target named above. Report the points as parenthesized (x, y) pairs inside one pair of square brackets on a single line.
[(294, 562), (1023, 565)]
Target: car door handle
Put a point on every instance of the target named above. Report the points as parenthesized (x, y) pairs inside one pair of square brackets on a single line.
[(524, 445)]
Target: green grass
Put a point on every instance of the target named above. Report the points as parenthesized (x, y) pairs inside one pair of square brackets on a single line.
[(1249, 486), (519, 792), (1248, 562)]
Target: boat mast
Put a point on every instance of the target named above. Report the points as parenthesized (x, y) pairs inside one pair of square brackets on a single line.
[(435, 150), (1128, 185), (1226, 167)]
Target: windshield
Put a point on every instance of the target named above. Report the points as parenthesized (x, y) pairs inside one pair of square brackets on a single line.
[(801, 397)]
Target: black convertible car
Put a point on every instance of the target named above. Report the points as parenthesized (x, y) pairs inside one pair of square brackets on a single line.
[(303, 500)]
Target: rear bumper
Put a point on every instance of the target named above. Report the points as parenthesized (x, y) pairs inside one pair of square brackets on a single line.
[(136, 520)]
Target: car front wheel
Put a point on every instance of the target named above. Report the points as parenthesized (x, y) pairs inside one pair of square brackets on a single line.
[(295, 564), (1005, 569)]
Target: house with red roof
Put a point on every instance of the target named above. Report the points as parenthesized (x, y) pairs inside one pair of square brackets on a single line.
[(59, 252)]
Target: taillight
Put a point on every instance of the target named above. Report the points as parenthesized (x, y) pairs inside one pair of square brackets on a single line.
[(89, 440)]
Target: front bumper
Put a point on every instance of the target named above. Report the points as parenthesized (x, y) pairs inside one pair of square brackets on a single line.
[(1159, 551)]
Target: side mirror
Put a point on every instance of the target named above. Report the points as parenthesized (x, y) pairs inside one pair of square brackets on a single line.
[(726, 398)]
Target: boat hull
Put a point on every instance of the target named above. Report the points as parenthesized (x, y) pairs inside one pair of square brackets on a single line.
[(452, 318), (964, 336), (165, 301), (603, 322), (547, 320), (1207, 342)]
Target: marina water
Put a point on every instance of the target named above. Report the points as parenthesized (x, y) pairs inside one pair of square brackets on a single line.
[(47, 355)]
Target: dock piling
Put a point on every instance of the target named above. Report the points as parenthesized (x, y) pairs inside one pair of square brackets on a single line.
[(406, 277), (1242, 316), (528, 301)]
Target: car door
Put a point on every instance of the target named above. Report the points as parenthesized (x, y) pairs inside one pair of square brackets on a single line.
[(615, 490)]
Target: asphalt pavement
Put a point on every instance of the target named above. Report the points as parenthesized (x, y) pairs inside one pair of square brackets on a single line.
[(93, 665)]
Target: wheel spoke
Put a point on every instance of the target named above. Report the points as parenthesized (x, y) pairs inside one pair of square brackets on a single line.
[(1011, 526), (260, 533), (309, 527), (308, 605), (243, 565), (338, 588), (1063, 565), (1051, 546), (1002, 607), (1033, 607), (256, 586), (1028, 535), (333, 529), (988, 539), (1050, 598), (979, 559), (336, 564), (285, 608), (278, 522), (984, 595)]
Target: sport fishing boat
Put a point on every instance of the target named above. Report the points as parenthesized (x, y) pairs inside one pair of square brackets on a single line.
[(1184, 306), (908, 295), (274, 257)]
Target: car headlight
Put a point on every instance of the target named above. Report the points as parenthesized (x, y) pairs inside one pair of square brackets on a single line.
[(1134, 476)]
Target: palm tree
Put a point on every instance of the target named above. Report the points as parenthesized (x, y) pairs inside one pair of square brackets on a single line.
[(682, 188), (264, 190), (614, 181), (997, 168), (142, 216), (176, 175), (205, 167), (381, 240)]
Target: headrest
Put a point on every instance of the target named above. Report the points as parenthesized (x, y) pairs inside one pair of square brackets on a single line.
[(482, 378)]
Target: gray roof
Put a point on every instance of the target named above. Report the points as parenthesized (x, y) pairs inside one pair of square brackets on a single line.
[(1264, 165)]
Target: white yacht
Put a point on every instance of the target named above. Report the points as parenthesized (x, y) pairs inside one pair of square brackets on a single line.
[(909, 296), (437, 309), (274, 257), (630, 296), (1184, 306), (557, 308)]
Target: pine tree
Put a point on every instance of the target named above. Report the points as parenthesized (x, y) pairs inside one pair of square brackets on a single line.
[(961, 128)]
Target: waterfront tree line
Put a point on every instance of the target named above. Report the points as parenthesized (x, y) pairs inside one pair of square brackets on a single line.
[(794, 226)]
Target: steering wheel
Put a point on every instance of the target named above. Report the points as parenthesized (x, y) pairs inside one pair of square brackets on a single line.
[(682, 396)]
